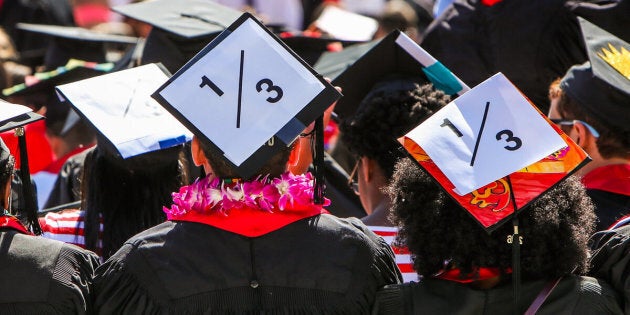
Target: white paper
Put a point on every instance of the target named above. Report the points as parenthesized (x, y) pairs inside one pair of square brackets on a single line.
[(346, 25), (121, 108), (216, 116), (10, 110), (510, 117)]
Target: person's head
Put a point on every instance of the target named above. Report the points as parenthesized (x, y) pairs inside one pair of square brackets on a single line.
[(555, 229), (217, 166), (128, 194), (596, 133), (7, 162), (397, 15), (389, 111)]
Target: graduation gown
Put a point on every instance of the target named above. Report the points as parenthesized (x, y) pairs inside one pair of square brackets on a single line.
[(41, 276), (317, 265), (611, 260), (573, 295)]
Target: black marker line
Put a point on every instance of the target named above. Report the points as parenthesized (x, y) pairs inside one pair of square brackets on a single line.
[(214, 87), (240, 91), (483, 123)]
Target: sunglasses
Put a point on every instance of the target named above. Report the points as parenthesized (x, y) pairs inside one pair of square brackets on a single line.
[(571, 122), (352, 182)]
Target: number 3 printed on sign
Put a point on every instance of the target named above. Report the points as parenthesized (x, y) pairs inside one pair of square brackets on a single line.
[(270, 88)]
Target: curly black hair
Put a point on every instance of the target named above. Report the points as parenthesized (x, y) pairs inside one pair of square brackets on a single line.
[(555, 228), (388, 113)]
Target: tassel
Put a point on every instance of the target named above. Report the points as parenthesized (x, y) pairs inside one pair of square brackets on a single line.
[(30, 206), (317, 144)]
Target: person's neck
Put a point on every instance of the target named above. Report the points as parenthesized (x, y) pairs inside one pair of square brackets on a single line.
[(380, 214)]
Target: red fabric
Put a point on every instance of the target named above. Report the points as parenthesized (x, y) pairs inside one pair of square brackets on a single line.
[(479, 274), (88, 15), (39, 152), (490, 3), (56, 165), (611, 178), (250, 222), (11, 222)]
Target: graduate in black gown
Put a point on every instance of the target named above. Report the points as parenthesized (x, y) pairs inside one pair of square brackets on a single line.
[(39, 276)]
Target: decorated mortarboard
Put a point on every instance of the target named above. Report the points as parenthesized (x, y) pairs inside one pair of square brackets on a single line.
[(602, 86), (395, 55), (180, 27), (493, 151), (346, 25), (44, 82), (246, 95), (120, 107), (74, 43), (14, 116)]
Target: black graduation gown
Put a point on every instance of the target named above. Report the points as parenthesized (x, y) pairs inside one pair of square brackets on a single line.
[(611, 260), (42, 276), (318, 265), (573, 295), (609, 207)]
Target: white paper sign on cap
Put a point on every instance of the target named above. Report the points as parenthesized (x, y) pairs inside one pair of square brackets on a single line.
[(486, 134)]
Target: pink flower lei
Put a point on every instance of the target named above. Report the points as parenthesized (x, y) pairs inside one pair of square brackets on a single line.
[(205, 196)]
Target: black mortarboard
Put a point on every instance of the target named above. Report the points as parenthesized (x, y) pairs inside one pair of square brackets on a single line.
[(14, 116), (396, 55), (602, 85), (180, 27), (332, 64), (120, 107), (311, 45), (74, 43)]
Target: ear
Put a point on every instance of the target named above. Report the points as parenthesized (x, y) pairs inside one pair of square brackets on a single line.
[(581, 135), (198, 157), (366, 167)]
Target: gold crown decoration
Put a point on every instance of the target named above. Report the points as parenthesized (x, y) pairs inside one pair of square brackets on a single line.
[(618, 59)]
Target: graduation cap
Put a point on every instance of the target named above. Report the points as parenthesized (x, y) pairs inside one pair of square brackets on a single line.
[(332, 64), (13, 116), (311, 45), (493, 151), (246, 95), (180, 27), (74, 43), (44, 82), (346, 25), (602, 85), (394, 55), (120, 107)]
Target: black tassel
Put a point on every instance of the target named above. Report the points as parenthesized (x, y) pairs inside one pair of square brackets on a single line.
[(30, 207), (317, 144)]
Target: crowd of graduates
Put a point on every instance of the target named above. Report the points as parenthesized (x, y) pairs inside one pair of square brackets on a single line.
[(128, 189)]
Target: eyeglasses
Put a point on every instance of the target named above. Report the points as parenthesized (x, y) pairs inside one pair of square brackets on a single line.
[(571, 122), (352, 183)]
